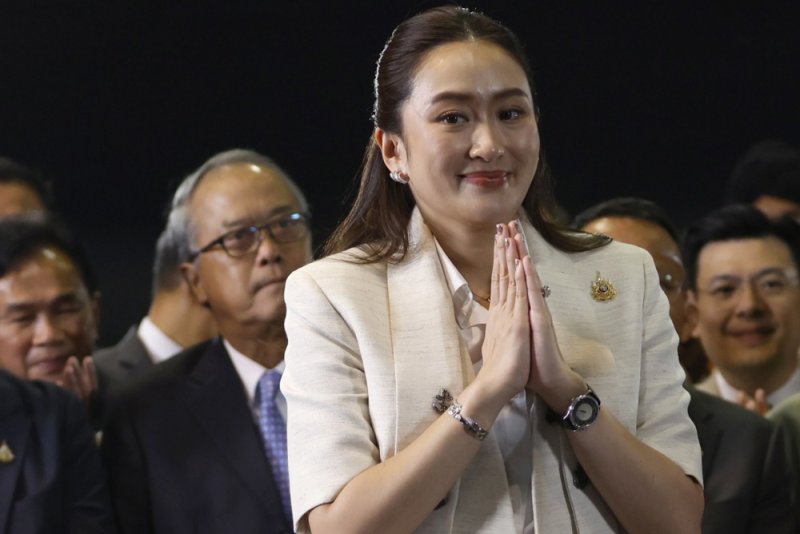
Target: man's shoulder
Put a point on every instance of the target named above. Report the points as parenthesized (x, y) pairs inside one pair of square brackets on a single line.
[(108, 356), (726, 415), (35, 396), (162, 378)]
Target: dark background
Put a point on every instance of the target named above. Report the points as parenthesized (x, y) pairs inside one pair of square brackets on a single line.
[(117, 102)]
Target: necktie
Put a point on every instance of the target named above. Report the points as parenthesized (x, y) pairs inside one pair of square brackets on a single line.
[(273, 430)]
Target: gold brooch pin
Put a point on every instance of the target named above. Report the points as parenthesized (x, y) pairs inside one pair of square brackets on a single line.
[(6, 454), (602, 289)]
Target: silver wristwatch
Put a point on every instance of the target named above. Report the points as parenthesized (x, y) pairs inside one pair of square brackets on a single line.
[(582, 411)]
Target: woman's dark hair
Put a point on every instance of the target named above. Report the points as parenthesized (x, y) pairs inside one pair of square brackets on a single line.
[(382, 209)]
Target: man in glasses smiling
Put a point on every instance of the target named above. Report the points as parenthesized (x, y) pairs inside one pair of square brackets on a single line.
[(745, 303), (199, 443)]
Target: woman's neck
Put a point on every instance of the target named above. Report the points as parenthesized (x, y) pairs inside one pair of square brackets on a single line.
[(471, 251)]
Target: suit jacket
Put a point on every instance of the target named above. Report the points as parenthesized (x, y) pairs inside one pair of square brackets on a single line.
[(55, 482), (371, 344), (787, 416), (117, 365), (184, 454), (744, 469)]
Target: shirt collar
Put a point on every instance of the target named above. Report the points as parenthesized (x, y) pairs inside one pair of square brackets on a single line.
[(789, 388), (468, 311), (249, 370), (158, 344)]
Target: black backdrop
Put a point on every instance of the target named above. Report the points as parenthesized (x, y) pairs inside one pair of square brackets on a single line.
[(116, 102)]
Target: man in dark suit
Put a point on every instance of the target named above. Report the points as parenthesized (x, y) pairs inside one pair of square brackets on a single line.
[(51, 478), (184, 447), (744, 468), (745, 476), (175, 321)]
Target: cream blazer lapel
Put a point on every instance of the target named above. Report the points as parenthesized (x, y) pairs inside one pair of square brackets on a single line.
[(428, 356), (427, 351)]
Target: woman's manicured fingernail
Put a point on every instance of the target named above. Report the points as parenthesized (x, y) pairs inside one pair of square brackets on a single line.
[(499, 229)]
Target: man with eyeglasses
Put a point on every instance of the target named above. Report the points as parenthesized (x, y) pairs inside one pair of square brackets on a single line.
[(744, 468), (198, 443), (744, 303)]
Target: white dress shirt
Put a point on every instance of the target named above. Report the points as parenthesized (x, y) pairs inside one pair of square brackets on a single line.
[(250, 372), (789, 388), (157, 344), (512, 427)]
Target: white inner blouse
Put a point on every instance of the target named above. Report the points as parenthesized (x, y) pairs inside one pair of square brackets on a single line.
[(512, 428)]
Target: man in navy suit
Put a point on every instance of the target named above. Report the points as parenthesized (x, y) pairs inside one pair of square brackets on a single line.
[(744, 470), (183, 446), (51, 478)]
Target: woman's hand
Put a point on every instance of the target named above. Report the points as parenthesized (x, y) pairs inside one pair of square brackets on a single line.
[(549, 376), (506, 347)]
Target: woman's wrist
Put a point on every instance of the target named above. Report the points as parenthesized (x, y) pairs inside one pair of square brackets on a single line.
[(480, 404), (557, 394)]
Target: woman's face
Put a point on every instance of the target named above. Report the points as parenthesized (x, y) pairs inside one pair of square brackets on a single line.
[(470, 143)]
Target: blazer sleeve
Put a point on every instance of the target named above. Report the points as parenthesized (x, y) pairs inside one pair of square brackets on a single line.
[(329, 432), (663, 420)]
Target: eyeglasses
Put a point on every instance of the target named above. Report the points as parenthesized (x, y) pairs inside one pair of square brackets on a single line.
[(769, 284), (241, 241)]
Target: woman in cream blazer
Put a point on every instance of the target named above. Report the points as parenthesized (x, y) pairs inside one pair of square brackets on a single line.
[(374, 336), (371, 344)]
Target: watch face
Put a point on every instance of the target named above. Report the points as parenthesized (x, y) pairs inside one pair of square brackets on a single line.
[(585, 411)]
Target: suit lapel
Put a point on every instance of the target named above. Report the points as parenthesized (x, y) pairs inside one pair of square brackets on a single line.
[(15, 431), (214, 394), (708, 434)]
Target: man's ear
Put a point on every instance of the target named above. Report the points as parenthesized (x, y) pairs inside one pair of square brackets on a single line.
[(190, 274), (94, 310), (393, 151), (692, 315)]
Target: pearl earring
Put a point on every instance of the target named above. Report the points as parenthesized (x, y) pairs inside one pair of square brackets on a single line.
[(397, 178)]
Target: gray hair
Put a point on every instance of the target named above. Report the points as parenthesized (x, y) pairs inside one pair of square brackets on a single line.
[(180, 228)]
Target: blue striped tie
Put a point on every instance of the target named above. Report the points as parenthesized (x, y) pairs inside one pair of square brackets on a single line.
[(273, 430)]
